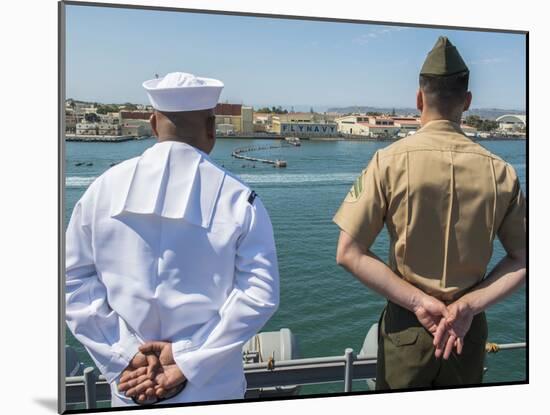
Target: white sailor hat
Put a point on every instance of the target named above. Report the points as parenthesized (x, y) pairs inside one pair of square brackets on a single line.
[(179, 91)]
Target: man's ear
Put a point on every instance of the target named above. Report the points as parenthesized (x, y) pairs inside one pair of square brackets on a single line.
[(419, 101), (211, 127), (467, 101), (153, 122)]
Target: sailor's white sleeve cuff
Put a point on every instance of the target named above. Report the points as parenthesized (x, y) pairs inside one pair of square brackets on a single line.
[(185, 357), (127, 347), (122, 353)]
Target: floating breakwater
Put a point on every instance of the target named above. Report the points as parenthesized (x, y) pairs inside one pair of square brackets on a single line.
[(237, 153)]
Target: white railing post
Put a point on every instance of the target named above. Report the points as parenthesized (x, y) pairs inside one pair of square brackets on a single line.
[(349, 357), (89, 387)]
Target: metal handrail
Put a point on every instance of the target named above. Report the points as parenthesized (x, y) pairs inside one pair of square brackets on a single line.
[(91, 388), (511, 346)]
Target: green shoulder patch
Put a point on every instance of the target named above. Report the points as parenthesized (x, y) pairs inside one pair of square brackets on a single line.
[(356, 190)]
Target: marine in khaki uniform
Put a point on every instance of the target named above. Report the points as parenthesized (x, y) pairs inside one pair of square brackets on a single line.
[(443, 199)]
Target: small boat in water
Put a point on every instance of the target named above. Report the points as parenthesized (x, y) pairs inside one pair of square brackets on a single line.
[(295, 141)]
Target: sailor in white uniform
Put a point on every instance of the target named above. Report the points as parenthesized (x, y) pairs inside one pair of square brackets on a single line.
[(170, 247)]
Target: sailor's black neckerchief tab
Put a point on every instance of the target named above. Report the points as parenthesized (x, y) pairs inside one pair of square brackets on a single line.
[(252, 196)]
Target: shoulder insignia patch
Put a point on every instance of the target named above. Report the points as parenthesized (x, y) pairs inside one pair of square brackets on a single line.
[(252, 196), (356, 190)]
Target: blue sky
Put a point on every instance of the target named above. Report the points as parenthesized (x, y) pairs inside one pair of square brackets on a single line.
[(262, 61)]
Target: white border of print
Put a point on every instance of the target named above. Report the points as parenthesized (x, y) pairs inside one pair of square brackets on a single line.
[(28, 170)]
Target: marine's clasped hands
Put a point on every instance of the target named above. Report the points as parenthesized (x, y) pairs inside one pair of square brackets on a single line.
[(152, 374), (448, 324)]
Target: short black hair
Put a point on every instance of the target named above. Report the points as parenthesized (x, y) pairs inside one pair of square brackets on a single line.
[(445, 92)]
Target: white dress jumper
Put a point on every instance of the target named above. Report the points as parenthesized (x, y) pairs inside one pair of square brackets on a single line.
[(169, 246)]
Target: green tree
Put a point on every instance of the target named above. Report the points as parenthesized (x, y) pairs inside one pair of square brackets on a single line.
[(91, 117), (273, 109), (488, 125), (129, 106), (473, 121), (105, 108)]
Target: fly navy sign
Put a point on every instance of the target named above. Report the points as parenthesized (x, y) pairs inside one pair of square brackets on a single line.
[(323, 130)]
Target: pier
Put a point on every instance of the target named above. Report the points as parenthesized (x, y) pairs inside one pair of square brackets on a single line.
[(90, 138), (237, 153)]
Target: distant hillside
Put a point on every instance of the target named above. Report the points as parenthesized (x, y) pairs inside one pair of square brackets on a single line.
[(400, 111), (487, 113), (492, 113)]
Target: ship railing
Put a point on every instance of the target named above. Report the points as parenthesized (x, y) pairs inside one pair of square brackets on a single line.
[(89, 389)]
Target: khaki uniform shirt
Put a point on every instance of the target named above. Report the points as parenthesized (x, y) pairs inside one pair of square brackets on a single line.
[(443, 199)]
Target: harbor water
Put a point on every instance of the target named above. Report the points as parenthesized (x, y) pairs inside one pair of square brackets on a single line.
[(324, 306)]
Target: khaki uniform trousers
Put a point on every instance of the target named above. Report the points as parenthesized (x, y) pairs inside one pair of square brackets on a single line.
[(406, 355)]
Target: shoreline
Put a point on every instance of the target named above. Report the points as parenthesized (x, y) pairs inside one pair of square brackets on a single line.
[(100, 138), (122, 138)]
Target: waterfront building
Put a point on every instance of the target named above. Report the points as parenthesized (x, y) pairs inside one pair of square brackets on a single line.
[(136, 130), (112, 118), (135, 115), (70, 120), (83, 107), (368, 126), (228, 114), (262, 122), (241, 117), (304, 117), (91, 109), (136, 123), (512, 122), (296, 117), (301, 126), (380, 127), (225, 129), (86, 128), (271, 122), (247, 119), (331, 116), (407, 125), (377, 126), (349, 124), (105, 128)]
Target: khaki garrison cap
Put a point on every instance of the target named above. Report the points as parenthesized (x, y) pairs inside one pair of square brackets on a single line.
[(443, 60)]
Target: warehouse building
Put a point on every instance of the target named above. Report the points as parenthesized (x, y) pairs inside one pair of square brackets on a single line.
[(368, 126), (86, 128), (303, 125), (377, 126), (234, 119), (136, 123), (407, 125)]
